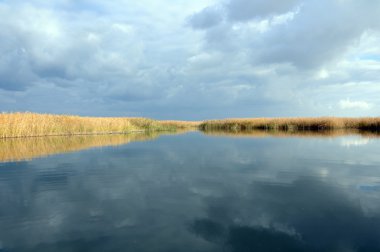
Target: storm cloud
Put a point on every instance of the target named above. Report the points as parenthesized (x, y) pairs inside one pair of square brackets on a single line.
[(204, 59)]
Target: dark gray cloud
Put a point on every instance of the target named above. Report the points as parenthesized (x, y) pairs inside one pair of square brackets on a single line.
[(15, 71), (313, 34), (243, 10), (206, 18), (319, 33)]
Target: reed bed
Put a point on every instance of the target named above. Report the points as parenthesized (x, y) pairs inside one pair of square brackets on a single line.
[(181, 124), (32, 124), (283, 134), (293, 124)]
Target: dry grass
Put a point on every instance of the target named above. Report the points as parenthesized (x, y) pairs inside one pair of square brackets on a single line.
[(16, 149), (281, 133), (293, 124), (181, 124), (31, 124)]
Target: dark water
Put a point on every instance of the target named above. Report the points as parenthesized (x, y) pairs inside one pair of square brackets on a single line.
[(194, 192)]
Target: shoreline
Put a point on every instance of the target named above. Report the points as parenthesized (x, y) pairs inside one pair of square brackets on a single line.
[(18, 125), (76, 134), (23, 125), (293, 124)]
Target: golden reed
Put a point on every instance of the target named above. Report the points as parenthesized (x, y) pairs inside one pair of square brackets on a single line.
[(284, 134), (180, 124), (32, 124), (293, 124)]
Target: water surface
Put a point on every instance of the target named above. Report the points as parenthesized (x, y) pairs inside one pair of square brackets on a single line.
[(195, 192)]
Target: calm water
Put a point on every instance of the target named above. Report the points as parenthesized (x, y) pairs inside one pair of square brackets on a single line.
[(193, 192)]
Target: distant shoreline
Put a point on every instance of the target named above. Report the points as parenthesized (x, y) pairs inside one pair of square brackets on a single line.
[(293, 124)]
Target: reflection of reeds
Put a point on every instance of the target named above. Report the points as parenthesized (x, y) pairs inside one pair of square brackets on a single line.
[(16, 149), (282, 133), (293, 124), (31, 124)]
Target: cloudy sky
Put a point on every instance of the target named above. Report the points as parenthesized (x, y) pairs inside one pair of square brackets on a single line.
[(191, 59)]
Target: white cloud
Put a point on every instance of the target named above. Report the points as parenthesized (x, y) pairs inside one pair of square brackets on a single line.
[(348, 104)]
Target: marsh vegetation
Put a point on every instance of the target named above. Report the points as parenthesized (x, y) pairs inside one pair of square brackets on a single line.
[(293, 124), (32, 124), (257, 133)]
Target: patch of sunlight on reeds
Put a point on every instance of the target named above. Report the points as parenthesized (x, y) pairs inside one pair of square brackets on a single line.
[(32, 124), (17, 149), (292, 124)]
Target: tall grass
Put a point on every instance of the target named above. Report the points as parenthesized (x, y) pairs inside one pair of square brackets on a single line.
[(301, 134), (32, 124), (292, 124), (181, 124)]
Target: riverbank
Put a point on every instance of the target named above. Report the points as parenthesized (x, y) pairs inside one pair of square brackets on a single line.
[(32, 124), (293, 124)]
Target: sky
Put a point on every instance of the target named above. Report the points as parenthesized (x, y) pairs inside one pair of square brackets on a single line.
[(191, 60)]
